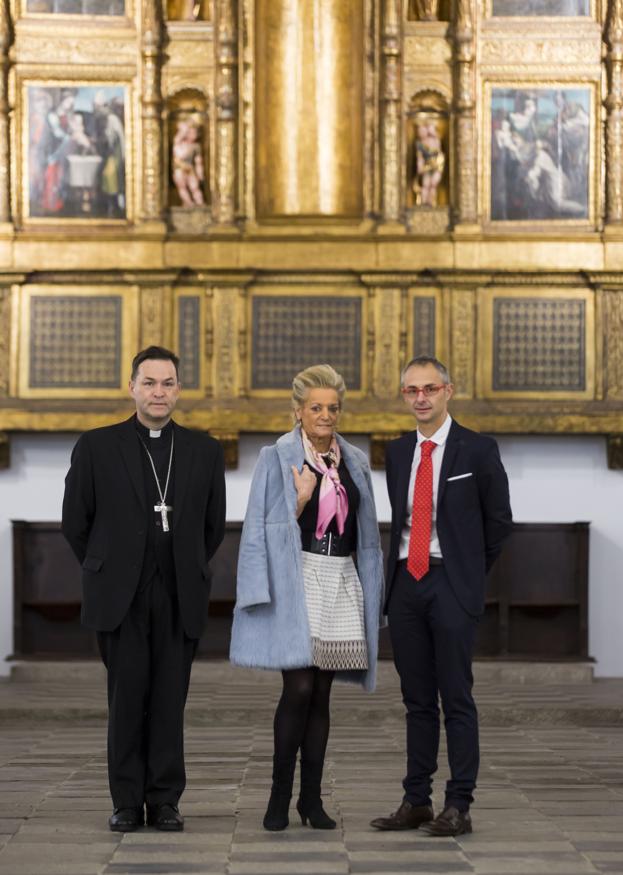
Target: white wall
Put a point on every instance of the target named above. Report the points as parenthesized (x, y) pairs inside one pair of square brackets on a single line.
[(561, 479)]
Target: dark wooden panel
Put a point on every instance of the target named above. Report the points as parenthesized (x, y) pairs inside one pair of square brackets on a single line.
[(537, 595)]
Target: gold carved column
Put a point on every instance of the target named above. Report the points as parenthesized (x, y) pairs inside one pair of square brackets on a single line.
[(462, 306), (614, 122), (465, 147), (156, 305), (391, 97), (5, 42), (309, 88), (226, 45), (151, 106)]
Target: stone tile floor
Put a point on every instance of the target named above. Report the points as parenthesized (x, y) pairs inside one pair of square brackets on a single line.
[(549, 802)]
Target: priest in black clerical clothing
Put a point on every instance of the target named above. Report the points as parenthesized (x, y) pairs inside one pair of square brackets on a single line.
[(144, 512)]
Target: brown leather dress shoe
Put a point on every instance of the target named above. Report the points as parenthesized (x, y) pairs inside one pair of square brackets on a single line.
[(407, 817), (165, 817), (126, 819), (451, 822)]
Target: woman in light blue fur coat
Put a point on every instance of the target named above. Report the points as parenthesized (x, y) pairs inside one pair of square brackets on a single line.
[(286, 543)]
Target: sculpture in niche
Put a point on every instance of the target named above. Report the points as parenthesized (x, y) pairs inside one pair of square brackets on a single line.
[(428, 141), (430, 162), (429, 10), (189, 193), (426, 10), (188, 10), (187, 161)]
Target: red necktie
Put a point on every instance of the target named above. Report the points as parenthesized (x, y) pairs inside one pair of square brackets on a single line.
[(421, 518)]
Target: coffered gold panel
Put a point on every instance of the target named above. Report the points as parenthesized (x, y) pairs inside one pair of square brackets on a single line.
[(536, 343), (73, 342)]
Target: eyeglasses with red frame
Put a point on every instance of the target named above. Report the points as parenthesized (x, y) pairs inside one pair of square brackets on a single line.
[(427, 391)]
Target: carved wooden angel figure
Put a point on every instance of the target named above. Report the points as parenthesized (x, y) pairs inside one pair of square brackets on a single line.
[(187, 161)]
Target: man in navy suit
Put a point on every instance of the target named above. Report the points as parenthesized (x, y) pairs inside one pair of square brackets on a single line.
[(450, 516)]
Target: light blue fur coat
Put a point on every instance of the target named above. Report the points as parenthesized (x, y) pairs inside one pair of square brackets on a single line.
[(270, 628)]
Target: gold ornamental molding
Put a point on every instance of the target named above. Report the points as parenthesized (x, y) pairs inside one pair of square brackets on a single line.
[(5, 152), (391, 100), (151, 104), (465, 153), (614, 122), (226, 142)]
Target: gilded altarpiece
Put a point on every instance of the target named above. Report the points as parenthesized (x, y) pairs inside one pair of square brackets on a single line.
[(264, 185)]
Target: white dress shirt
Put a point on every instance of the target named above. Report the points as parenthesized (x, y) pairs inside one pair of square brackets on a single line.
[(439, 438)]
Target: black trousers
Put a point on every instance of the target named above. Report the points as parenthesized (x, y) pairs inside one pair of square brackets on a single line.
[(148, 659), (433, 641)]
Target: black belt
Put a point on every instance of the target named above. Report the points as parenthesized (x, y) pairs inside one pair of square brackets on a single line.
[(328, 545)]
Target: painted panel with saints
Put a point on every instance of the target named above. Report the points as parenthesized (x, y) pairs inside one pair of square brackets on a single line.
[(76, 7), (76, 152), (540, 151), (528, 8)]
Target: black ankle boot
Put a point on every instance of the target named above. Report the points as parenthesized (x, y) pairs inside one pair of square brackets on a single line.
[(313, 811), (309, 804), (276, 817)]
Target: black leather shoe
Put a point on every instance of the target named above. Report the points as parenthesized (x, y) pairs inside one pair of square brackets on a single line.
[(407, 817), (165, 817), (126, 819), (451, 822)]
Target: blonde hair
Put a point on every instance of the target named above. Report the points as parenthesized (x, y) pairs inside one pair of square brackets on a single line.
[(316, 377)]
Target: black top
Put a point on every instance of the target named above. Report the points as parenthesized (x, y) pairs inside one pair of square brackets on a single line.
[(309, 516)]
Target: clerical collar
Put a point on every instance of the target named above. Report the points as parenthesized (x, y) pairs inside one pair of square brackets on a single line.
[(145, 432)]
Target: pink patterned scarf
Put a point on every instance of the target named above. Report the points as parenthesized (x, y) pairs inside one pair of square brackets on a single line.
[(333, 499)]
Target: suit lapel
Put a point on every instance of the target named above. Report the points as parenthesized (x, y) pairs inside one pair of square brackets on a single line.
[(182, 465), (131, 455), (452, 447), (404, 467)]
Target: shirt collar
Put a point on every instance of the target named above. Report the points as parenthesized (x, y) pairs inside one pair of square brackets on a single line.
[(440, 436), (143, 431)]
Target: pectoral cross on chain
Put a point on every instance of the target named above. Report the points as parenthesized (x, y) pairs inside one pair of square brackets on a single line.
[(163, 509)]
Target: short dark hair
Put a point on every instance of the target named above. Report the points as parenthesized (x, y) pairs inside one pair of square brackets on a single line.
[(158, 353), (426, 360)]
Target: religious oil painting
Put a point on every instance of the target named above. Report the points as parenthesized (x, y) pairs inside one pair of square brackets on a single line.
[(540, 154), (76, 7), (77, 152), (529, 8)]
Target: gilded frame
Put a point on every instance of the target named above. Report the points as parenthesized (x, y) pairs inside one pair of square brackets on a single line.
[(594, 146), (21, 306), (324, 291), (20, 163), (192, 292), (484, 365), (545, 18)]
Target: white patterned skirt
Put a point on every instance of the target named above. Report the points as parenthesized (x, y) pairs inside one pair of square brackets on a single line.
[(335, 609)]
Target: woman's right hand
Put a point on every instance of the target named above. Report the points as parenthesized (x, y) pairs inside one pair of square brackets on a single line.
[(304, 483)]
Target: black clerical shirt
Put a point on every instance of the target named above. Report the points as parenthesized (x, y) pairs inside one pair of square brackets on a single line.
[(158, 559)]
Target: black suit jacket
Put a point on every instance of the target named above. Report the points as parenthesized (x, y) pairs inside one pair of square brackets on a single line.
[(473, 513), (105, 519)]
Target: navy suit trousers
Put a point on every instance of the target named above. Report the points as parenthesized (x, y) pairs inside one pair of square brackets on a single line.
[(433, 641)]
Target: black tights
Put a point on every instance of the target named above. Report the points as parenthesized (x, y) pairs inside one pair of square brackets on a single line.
[(302, 716)]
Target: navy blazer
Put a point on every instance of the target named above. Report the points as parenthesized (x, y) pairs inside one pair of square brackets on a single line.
[(473, 512)]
